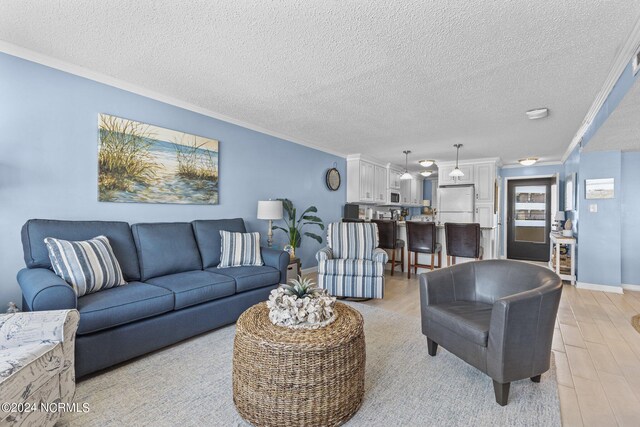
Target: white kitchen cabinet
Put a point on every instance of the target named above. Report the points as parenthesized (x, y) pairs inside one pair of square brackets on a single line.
[(485, 176), (380, 184), (405, 192), (366, 181), (484, 214), (416, 192), (445, 179), (394, 179)]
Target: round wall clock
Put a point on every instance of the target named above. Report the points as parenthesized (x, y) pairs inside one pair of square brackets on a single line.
[(333, 179)]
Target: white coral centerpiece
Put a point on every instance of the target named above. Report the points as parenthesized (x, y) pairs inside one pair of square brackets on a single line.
[(301, 305)]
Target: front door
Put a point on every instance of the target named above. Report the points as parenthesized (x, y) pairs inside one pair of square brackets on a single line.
[(529, 219)]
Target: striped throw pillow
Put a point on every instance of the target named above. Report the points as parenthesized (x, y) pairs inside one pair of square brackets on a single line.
[(88, 266), (239, 249)]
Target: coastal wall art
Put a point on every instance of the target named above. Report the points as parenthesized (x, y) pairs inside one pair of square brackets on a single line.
[(142, 163)]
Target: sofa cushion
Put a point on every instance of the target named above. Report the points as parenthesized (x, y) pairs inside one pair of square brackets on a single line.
[(119, 234), (195, 287), (469, 319), (207, 234), (166, 248), (87, 265), (351, 267), (124, 304), (250, 277)]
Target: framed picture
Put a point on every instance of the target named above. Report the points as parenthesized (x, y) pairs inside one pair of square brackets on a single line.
[(570, 192), (599, 188), (142, 163)]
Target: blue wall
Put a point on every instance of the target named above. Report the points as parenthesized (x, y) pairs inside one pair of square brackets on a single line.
[(630, 224), (600, 242), (48, 161)]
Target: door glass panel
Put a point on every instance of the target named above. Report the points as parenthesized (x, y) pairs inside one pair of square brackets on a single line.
[(530, 213)]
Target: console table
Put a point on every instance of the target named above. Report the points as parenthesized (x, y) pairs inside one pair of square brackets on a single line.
[(566, 272)]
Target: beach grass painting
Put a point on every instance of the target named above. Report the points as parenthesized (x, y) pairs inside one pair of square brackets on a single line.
[(142, 163)]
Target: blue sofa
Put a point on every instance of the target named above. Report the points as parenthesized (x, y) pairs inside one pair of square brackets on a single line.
[(174, 290)]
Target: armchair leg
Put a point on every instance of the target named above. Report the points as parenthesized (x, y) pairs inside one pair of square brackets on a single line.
[(402, 259), (440, 259), (432, 347), (502, 392), (408, 264), (536, 379)]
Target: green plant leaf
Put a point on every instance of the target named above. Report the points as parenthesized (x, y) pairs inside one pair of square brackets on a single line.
[(312, 218), (314, 236)]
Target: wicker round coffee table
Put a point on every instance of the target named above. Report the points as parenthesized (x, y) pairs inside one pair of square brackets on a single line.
[(298, 377)]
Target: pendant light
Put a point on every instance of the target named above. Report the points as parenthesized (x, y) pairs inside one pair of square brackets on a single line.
[(426, 173), (426, 163), (457, 172), (406, 174)]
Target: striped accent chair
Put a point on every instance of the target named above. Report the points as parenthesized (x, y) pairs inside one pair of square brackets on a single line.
[(352, 265)]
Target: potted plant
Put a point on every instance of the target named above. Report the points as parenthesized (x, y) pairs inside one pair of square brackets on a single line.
[(294, 225), (301, 305)]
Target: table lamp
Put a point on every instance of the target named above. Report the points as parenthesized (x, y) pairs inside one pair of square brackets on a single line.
[(270, 210), (558, 218)]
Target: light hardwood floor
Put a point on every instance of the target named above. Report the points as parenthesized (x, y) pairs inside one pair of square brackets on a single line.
[(597, 351)]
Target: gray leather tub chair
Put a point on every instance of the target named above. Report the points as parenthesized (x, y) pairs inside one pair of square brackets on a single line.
[(496, 315)]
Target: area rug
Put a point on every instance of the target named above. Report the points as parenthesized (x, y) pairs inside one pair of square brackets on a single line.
[(190, 384), (635, 322)]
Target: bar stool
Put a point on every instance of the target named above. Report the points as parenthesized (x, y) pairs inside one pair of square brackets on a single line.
[(388, 239), (463, 240), (421, 238)]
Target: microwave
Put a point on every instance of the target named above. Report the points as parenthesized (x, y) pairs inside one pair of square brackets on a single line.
[(394, 198)]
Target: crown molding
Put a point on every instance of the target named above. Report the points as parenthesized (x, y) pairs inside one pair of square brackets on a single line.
[(67, 67), (620, 63)]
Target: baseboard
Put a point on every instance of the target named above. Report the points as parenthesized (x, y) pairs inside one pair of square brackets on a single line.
[(602, 288), (635, 288)]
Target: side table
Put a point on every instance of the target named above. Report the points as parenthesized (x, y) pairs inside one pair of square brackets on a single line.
[(566, 272), (297, 264)]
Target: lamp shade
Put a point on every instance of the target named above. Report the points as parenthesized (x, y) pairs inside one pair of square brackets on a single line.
[(559, 216), (270, 209), (406, 175), (456, 172)]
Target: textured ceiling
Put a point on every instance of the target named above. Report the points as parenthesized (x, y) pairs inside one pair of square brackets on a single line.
[(621, 131), (369, 76)]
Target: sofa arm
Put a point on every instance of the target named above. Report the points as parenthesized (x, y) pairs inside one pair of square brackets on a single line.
[(324, 254), (380, 255), (436, 287), (25, 328), (43, 290), (276, 259), (521, 333)]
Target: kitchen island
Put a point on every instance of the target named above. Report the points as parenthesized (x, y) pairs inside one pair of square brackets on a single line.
[(488, 242)]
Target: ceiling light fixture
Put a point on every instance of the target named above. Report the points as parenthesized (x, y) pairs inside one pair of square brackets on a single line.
[(406, 174), (426, 163), (426, 173), (528, 161), (538, 113), (457, 172)]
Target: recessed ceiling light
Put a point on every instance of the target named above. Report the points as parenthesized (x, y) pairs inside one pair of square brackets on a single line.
[(538, 113), (426, 163), (528, 161), (426, 173)]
